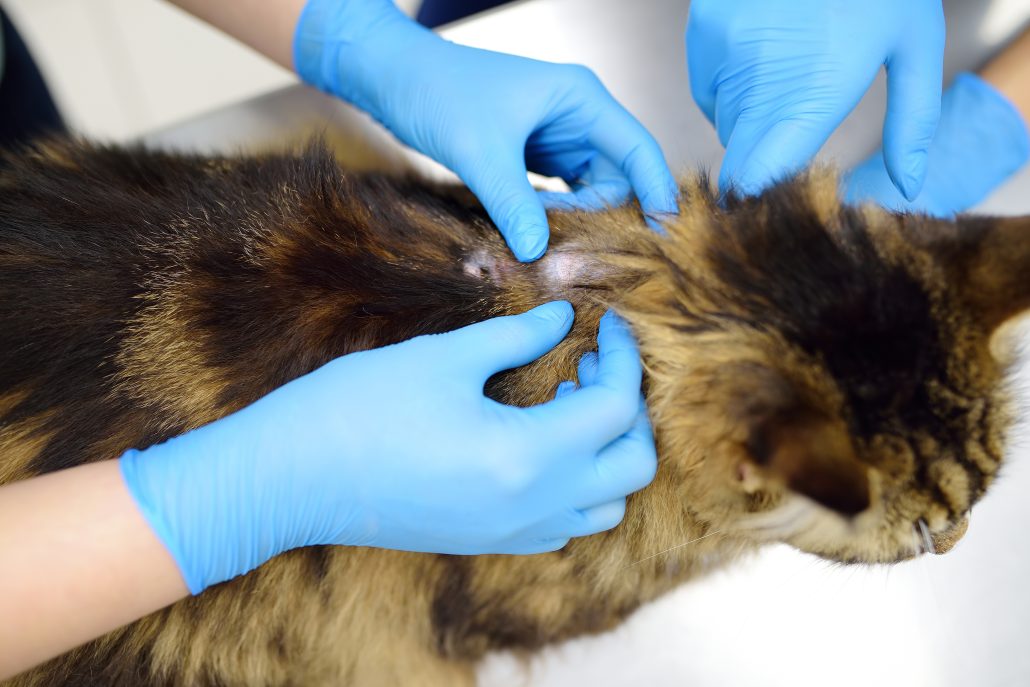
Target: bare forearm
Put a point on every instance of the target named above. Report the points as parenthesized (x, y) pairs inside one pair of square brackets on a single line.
[(265, 25), (1009, 72), (77, 560)]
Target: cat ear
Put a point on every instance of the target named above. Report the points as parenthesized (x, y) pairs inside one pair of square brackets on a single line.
[(811, 454), (988, 259)]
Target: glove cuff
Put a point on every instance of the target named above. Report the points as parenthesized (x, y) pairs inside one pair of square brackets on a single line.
[(998, 122), (195, 492), (333, 42), (980, 142), (140, 484)]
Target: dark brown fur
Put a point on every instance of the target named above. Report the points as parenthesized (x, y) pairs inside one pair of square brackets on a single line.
[(817, 374)]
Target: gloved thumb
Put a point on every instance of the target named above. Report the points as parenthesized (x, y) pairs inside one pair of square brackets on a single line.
[(503, 343), (512, 203), (914, 82)]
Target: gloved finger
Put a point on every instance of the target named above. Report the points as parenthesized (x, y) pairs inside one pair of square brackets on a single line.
[(511, 201), (618, 358), (632, 149), (914, 81), (625, 466), (602, 186), (534, 546), (869, 181), (761, 152), (588, 198), (587, 368), (605, 182), (702, 42), (581, 522), (564, 389), (602, 518), (488, 347), (597, 414), (568, 160)]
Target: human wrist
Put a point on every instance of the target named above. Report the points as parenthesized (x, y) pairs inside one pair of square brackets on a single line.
[(345, 47), (76, 562), (1009, 73)]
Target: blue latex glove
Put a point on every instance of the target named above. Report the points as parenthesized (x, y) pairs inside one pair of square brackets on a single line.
[(981, 141), (398, 448), (485, 115), (776, 77)]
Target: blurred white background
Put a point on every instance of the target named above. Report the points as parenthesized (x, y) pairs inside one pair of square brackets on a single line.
[(119, 68)]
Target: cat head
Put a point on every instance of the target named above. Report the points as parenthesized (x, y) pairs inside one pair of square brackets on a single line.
[(822, 374)]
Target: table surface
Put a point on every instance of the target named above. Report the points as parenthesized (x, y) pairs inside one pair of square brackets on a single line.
[(782, 618)]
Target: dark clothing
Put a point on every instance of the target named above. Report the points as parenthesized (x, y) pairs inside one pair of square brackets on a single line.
[(434, 13), (26, 108)]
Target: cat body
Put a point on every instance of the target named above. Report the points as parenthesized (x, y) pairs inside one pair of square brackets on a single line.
[(816, 374)]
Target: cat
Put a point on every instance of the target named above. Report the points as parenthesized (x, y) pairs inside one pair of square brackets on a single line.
[(816, 374)]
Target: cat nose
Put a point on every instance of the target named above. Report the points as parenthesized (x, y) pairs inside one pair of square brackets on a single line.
[(943, 542)]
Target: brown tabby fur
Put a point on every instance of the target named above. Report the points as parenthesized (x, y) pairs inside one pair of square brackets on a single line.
[(816, 374)]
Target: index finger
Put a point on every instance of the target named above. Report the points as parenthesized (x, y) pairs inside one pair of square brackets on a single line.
[(618, 357), (625, 141), (606, 408)]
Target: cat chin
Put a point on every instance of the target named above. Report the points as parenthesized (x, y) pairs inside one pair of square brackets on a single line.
[(863, 538)]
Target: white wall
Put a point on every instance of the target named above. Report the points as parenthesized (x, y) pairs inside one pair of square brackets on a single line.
[(121, 67)]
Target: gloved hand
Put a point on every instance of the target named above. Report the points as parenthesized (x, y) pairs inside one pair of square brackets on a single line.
[(776, 77), (398, 448), (485, 115), (981, 141)]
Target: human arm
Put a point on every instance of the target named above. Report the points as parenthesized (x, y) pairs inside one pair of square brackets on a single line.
[(1009, 73), (777, 77), (77, 559), (982, 140), (267, 26), (487, 116), (395, 447)]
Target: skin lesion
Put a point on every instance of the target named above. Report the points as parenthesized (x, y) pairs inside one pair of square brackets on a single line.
[(481, 265), (562, 269), (554, 273)]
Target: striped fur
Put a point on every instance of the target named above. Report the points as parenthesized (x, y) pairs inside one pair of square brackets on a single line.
[(816, 374)]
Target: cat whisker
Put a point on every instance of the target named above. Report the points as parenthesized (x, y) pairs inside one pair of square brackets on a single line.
[(925, 540), (917, 547), (672, 548)]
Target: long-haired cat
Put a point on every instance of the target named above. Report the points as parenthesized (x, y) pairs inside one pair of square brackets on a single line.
[(816, 374)]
